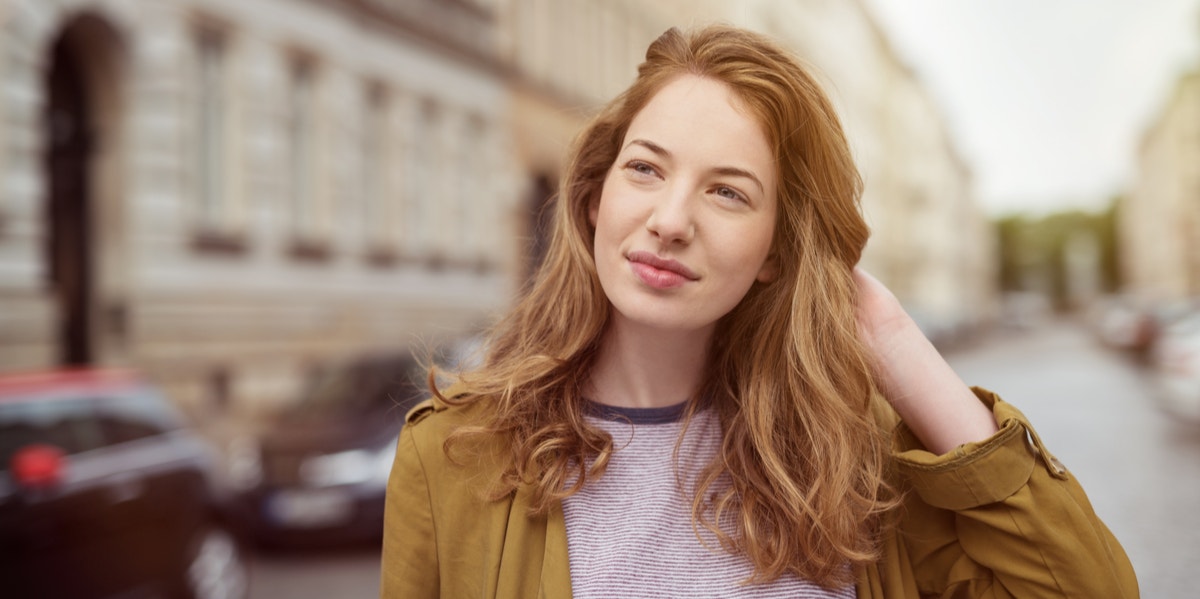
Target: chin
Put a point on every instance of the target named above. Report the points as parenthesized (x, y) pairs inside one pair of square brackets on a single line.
[(668, 319)]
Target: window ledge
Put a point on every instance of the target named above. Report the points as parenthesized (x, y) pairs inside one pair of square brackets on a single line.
[(215, 241), (382, 256), (310, 250), (486, 265)]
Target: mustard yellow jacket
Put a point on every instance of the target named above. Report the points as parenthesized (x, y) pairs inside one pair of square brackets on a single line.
[(1000, 518)]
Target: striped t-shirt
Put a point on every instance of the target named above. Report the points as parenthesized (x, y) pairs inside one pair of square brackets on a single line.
[(630, 533)]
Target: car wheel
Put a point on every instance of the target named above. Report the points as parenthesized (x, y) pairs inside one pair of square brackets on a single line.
[(217, 568)]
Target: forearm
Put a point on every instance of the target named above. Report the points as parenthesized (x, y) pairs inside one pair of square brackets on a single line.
[(926, 393), (929, 396)]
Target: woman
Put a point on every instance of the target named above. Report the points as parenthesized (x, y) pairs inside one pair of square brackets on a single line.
[(702, 396)]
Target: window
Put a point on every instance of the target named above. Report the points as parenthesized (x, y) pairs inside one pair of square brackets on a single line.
[(475, 214), (68, 424), (215, 208), (379, 220), (457, 174), (137, 414), (300, 141), (303, 168), (422, 194), (212, 176), (209, 122)]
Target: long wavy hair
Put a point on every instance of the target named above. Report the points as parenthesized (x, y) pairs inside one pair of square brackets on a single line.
[(800, 479)]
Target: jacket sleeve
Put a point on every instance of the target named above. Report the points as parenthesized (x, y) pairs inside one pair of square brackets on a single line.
[(1003, 518), (409, 568)]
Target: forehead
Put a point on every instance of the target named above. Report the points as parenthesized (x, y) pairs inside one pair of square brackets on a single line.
[(707, 120)]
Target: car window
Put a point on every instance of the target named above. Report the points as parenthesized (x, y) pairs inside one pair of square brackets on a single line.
[(388, 384), (137, 414), (367, 384), (401, 389), (69, 424)]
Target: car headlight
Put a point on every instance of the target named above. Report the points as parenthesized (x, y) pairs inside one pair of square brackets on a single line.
[(352, 467)]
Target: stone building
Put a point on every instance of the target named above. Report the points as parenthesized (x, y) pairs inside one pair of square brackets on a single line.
[(227, 194), (931, 241), (1160, 220)]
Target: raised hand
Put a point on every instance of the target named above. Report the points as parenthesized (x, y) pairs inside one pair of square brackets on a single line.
[(929, 396)]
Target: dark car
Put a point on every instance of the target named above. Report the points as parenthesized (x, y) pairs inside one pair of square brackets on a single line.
[(105, 493), (315, 472)]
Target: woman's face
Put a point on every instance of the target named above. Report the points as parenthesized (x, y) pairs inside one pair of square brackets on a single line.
[(687, 211)]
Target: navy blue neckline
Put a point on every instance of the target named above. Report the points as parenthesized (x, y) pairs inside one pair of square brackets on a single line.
[(663, 415)]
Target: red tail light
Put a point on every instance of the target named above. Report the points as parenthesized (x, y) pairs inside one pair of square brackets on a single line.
[(38, 466)]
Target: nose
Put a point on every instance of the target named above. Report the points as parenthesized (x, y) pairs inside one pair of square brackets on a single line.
[(672, 221)]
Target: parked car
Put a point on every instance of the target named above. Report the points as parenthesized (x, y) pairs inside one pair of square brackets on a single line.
[(105, 493), (1176, 364), (1123, 324), (1138, 327), (316, 472)]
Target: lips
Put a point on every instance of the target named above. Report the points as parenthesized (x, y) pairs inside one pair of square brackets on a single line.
[(660, 273)]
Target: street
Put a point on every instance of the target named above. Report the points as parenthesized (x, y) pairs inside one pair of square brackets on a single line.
[(1095, 411), (1093, 408)]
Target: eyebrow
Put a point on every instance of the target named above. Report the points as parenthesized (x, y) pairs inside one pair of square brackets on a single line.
[(730, 171)]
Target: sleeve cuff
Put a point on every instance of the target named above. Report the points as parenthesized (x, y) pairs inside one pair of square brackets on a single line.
[(973, 474)]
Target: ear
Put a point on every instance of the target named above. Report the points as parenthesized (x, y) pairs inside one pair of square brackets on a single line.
[(769, 269)]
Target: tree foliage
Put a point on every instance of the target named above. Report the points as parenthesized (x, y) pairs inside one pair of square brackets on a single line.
[(1034, 251)]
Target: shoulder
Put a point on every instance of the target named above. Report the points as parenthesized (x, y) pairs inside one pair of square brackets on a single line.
[(434, 415), (430, 423)]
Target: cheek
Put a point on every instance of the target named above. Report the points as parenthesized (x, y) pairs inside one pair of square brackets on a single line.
[(745, 258), (750, 246), (613, 216), (600, 199)]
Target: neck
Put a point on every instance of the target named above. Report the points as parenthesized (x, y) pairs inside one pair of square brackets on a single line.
[(644, 367)]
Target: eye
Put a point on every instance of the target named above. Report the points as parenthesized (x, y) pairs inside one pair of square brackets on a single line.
[(730, 193), (641, 168)]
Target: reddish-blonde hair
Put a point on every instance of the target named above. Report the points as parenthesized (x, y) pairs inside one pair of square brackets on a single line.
[(788, 376)]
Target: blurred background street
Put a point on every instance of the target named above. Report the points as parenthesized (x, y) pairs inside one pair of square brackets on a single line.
[(230, 233), (1095, 409)]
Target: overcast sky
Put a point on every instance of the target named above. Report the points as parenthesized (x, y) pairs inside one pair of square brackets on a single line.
[(1047, 99)]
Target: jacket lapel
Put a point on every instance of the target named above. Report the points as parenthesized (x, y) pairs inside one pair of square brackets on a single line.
[(556, 569)]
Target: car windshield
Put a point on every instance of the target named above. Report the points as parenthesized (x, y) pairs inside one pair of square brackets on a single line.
[(76, 422), (366, 385), (68, 424)]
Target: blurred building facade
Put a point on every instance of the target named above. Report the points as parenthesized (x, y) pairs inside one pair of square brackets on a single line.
[(1160, 219), (931, 243), (225, 194)]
